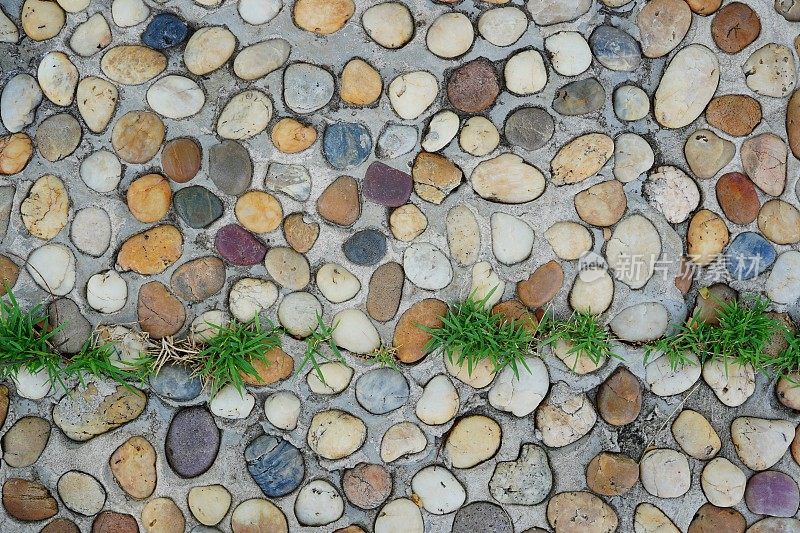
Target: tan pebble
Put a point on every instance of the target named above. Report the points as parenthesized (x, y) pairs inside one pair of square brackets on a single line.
[(149, 197), (361, 83), (259, 212), (137, 136), (291, 136), (407, 222), (151, 251), (132, 64), (322, 16)]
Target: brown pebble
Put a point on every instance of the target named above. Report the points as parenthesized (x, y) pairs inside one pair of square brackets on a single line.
[(299, 234), (291, 136), (795, 447), (28, 500), (514, 310), (611, 474), (16, 151), (434, 177), (61, 525), (198, 279), (410, 340), (367, 485), (385, 291), (738, 198), (685, 276), (3, 404), (473, 87), (735, 114), (712, 519), (602, 204), (9, 273), (133, 465), (707, 306), (112, 522), (280, 367), (149, 198), (340, 203), (704, 7), (160, 313), (258, 211), (181, 159), (137, 136), (361, 83), (151, 251), (542, 285), (734, 27), (619, 398), (793, 123)]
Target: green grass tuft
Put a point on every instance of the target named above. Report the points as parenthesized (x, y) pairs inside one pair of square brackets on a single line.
[(583, 332), (384, 356), (231, 352), (470, 333), (96, 360), (320, 338)]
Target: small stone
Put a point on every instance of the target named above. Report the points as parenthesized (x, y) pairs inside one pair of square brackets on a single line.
[(339, 203), (723, 482), (385, 291), (529, 128), (133, 465), (88, 412), (259, 59), (161, 515), (593, 292), (198, 279), (687, 85), (106, 292), (58, 136), (330, 378), (640, 323), (176, 97), (298, 312), (711, 518), (665, 473), (649, 518), (361, 84), (409, 340), (365, 248), (245, 115), (149, 198), (524, 481), (231, 404), (151, 251), (127, 13), (579, 97), (602, 204), (9, 273), (256, 514), (524, 72), (46, 208), (611, 474), (664, 381), (772, 493), (472, 440), (735, 27), (512, 238), (450, 35), (671, 192), (407, 222), (400, 440), (192, 442), (41, 20), (662, 26), (473, 87), (291, 136), (230, 167), (354, 332), (52, 267), (317, 504), (437, 490), (463, 235), (482, 516), (695, 435), (21, 95), (291, 180), (57, 78), (439, 401), (569, 52), (564, 416), (165, 30), (410, 94), (783, 286), (631, 103), (706, 237), (761, 442), (427, 267), (160, 313), (346, 145), (581, 511), (367, 485), (507, 179), (321, 16), (238, 246), (542, 285), (738, 198), (113, 522), (615, 49), (31, 385), (619, 398), (548, 12), (389, 24), (61, 525), (396, 140), (779, 221), (503, 26), (16, 151), (774, 525), (633, 156), (25, 441), (276, 466), (479, 136), (520, 395), (288, 268), (382, 390), (336, 283), (299, 234), (282, 409), (177, 383), (137, 136), (770, 71), (707, 153), (735, 114), (748, 255), (208, 49), (442, 128), (90, 231), (209, 504), (581, 158), (8, 29), (97, 101), (307, 87), (28, 500)]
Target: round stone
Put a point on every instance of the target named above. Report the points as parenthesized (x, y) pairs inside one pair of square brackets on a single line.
[(16, 151), (579, 97), (137, 136), (330, 378), (25, 441), (619, 398), (282, 409), (633, 156), (396, 140), (346, 145), (438, 490), (42, 20), (631, 103), (772, 493), (192, 442), (361, 83), (779, 221), (400, 440), (581, 511), (81, 493), (175, 97), (367, 485), (165, 30), (665, 473), (257, 515), (770, 71), (259, 212), (288, 268), (300, 234), (245, 115), (20, 97), (181, 159), (427, 267), (97, 101), (197, 206), (276, 466), (399, 515), (524, 481), (687, 85), (208, 49), (57, 78), (127, 13), (662, 26), (162, 514), (723, 482), (670, 191), (176, 383), (473, 87), (259, 59), (738, 198), (529, 128), (365, 248), (382, 390), (291, 136), (711, 518), (58, 136), (306, 87), (695, 435), (602, 204), (479, 136), (707, 153), (734, 27), (106, 292), (132, 64), (298, 312), (764, 161), (450, 35), (503, 26), (615, 49), (735, 114), (611, 474), (209, 504), (149, 198), (524, 73), (238, 246), (482, 516), (472, 440), (322, 17), (52, 267), (761, 442), (46, 208), (581, 158), (389, 24), (570, 54), (318, 503), (354, 332), (748, 255), (407, 222)]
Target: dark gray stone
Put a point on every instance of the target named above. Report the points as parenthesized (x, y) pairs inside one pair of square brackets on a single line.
[(175, 382), (192, 442), (615, 49), (579, 97), (529, 128), (382, 390), (230, 167), (276, 466), (366, 247), (483, 517), (197, 206), (75, 329)]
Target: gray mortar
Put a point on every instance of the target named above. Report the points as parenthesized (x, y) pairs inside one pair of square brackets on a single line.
[(555, 204)]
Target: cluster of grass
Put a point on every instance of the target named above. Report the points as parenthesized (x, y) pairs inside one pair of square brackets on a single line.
[(583, 333), (741, 336), (320, 348)]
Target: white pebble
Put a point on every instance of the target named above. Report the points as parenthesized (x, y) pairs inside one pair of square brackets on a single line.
[(282, 410), (525, 73), (107, 292), (101, 171)]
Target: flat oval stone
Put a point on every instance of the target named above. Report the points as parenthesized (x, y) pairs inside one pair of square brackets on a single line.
[(735, 27), (615, 49), (208, 49), (365, 247), (85, 413), (385, 291), (581, 511), (291, 136), (579, 97), (642, 322), (259, 59), (176, 383), (670, 191), (409, 340), (410, 94), (258, 12), (450, 35), (113, 522), (132, 64), (25, 441), (503, 26), (137, 136), (19, 100), (52, 267), (151, 251), (181, 159), (361, 83), (770, 71), (230, 167), (288, 268), (482, 516), (630, 103), (245, 115), (192, 442), (665, 473), (97, 101), (707, 153), (569, 52), (427, 267), (711, 518), (738, 198), (396, 140), (57, 78), (793, 123), (367, 485), (524, 73), (581, 158), (46, 207), (548, 12), (706, 237), (160, 314), (438, 490), (175, 97), (322, 17), (473, 87), (772, 493), (198, 279), (238, 246), (479, 136), (507, 179), (28, 500), (41, 20), (165, 30), (619, 398), (611, 474), (602, 204), (387, 186), (133, 466), (764, 161), (390, 24), (472, 440), (748, 255), (197, 206), (346, 145), (779, 222), (382, 390), (58, 136), (687, 85), (735, 114), (149, 197), (529, 128), (307, 87), (16, 151), (662, 26), (276, 466)]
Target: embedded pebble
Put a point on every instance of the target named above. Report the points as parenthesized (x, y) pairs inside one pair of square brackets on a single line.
[(396, 140), (127, 13), (764, 161), (472, 440), (175, 97), (335, 434), (615, 49), (735, 114), (355, 332), (346, 145), (442, 128), (426, 266), (407, 222), (507, 179), (529, 128), (687, 85), (525, 73), (695, 435), (133, 465), (57, 78), (631, 103), (91, 231), (257, 60), (276, 466), (208, 49), (52, 267), (382, 390), (365, 247), (662, 26), (438, 490), (336, 283), (579, 97), (525, 481), (318, 503), (473, 87), (399, 515), (581, 511), (663, 380), (570, 54), (707, 153), (565, 416), (735, 27), (748, 255), (761, 442), (592, 293), (611, 474), (439, 401), (770, 71), (783, 285), (165, 30), (772, 493), (282, 409), (520, 395), (389, 24), (665, 473), (633, 249), (642, 322), (671, 192), (321, 16), (58, 136), (723, 482), (209, 504), (298, 312), (633, 156), (548, 12), (97, 101), (25, 441), (81, 493), (307, 87), (410, 94), (42, 20), (106, 292), (619, 398), (403, 438), (361, 84), (603, 204), (367, 485), (450, 35), (330, 378)]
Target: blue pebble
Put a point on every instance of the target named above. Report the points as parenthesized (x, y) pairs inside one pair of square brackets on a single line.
[(749, 255), (615, 49), (366, 247), (175, 382), (346, 145), (382, 390), (276, 466), (165, 31)]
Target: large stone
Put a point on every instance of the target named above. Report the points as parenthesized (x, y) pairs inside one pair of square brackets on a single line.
[(276, 466), (98, 408), (192, 442), (159, 312), (524, 481), (133, 465), (409, 339), (28, 501), (132, 64), (507, 179), (686, 87)]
